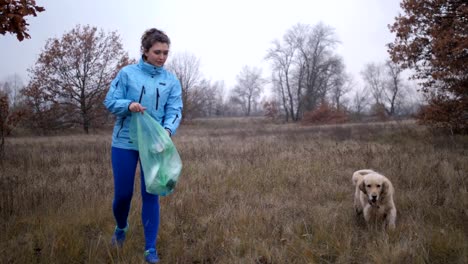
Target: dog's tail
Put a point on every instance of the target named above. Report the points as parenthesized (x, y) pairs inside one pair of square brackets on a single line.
[(358, 175)]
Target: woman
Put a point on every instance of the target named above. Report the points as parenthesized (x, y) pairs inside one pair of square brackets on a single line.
[(141, 87)]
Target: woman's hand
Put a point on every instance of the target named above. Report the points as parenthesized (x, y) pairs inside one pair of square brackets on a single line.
[(136, 107), (168, 132)]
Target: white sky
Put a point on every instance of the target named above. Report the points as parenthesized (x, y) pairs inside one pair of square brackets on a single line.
[(224, 35)]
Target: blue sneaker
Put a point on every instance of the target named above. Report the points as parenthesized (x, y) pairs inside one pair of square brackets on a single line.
[(151, 256), (118, 238)]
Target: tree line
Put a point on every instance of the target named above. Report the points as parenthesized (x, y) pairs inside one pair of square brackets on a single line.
[(72, 74), (308, 81)]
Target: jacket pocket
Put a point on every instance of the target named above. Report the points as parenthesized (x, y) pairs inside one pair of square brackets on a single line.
[(175, 118)]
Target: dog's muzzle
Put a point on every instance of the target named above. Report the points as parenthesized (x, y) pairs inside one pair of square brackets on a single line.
[(373, 201)]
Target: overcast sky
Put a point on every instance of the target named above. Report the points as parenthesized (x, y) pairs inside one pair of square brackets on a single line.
[(224, 35)]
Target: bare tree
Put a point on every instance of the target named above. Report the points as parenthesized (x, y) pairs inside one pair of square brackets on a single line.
[(12, 86), (360, 102), (206, 98), (4, 113), (12, 110), (213, 103), (394, 88), (249, 86), (201, 97), (186, 67), (305, 67), (282, 59), (9, 118), (340, 84), (374, 78), (279, 91), (72, 76), (319, 62), (340, 89), (385, 84)]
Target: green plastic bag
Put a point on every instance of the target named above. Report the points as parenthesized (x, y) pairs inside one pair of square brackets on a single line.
[(158, 156)]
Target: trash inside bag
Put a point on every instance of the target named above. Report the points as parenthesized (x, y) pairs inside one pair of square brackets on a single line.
[(158, 156)]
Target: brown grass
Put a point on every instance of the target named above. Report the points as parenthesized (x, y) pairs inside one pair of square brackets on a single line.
[(250, 192)]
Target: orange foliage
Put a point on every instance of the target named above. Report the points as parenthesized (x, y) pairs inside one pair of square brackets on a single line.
[(71, 77), (271, 109), (12, 16), (325, 114), (431, 40)]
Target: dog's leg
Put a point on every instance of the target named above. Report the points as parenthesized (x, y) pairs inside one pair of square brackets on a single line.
[(391, 218), (357, 207), (357, 203), (367, 214), (358, 211)]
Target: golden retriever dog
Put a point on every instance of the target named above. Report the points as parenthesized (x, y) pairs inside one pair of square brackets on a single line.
[(374, 198)]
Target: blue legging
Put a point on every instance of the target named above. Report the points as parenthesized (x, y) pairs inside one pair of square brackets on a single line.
[(124, 164)]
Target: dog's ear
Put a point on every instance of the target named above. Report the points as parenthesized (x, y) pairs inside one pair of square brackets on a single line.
[(385, 187), (362, 187)]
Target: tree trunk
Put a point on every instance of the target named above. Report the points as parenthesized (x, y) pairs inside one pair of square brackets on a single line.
[(2, 144)]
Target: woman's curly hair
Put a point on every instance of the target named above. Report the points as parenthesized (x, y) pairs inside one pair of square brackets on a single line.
[(152, 36)]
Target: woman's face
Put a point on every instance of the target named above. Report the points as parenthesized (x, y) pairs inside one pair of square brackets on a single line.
[(157, 54)]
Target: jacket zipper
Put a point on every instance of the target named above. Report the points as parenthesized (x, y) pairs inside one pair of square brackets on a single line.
[(157, 98), (141, 94), (121, 126), (177, 116)]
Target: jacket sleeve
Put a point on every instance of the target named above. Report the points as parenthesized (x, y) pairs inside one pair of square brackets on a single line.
[(173, 108), (116, 101)]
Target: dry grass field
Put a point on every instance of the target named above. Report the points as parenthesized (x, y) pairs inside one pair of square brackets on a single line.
[(250, 192)]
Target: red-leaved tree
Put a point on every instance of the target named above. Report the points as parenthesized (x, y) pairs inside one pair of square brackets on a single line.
[(71, 77), (12, 16), (432, 39)]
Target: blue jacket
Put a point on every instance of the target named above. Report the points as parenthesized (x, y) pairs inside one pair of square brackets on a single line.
[(153, 87)]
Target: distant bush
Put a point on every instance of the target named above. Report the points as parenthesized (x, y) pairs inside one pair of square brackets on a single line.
[(379, 113), (325, 114), (271, 109)]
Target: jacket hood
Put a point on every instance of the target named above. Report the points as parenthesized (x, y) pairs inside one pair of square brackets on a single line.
[(148, 68)]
